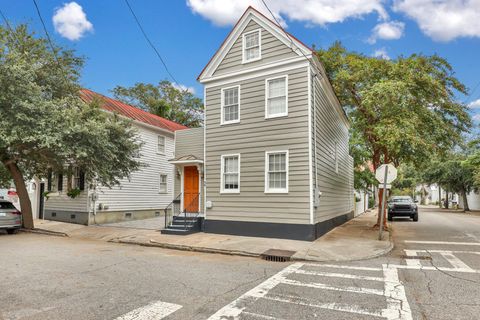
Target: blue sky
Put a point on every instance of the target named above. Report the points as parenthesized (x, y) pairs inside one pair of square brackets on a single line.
[(188, 32)]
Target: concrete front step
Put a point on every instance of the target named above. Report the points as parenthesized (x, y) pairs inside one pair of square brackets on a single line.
[(178, 231)]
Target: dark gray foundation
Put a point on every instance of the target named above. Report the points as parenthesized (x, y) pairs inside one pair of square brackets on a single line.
[(306, 232)]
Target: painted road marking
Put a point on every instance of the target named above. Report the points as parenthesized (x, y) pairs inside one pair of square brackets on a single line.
[(339, 275), (342, 267), (444, 242), (397, 303), (153, 311), (412, 262), (400, 266), (234, 309), (329, 306), (448, 255), (454, 261), (333, 288), (397, 307)]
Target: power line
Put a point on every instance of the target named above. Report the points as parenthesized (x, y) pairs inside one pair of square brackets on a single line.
[(48, 36), (288, 36), (150, 42)]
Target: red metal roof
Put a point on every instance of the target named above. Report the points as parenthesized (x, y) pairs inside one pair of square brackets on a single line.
[(131, 112)]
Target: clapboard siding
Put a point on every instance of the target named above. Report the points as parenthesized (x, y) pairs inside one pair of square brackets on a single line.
[(331, 130), (60, 201), (273, 50), (141, 191), (189, 142), (252, 137)]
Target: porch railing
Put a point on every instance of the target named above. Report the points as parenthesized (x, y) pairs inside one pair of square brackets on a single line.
[(174, 207)]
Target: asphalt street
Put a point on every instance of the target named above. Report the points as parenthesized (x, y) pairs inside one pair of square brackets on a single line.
[(433, 273)]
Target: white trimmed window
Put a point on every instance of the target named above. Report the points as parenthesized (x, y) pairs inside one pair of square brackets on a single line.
[(276, 172), (230, 178), (276, 97), (162, 188), (231, 105), (161, 145), (252, 44)]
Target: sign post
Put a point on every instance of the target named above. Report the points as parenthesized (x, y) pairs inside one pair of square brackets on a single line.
[(385, 174)]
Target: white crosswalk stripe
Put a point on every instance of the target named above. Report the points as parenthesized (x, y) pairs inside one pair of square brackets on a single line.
[(395, 302)]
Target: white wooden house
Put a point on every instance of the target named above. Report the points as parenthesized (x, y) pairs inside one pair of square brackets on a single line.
[(145, 194)]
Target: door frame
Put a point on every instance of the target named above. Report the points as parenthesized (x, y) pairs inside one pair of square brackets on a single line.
[(182, 185)]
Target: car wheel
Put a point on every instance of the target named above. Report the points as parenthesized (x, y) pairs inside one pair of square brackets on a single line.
[(11, 231), (390, 218), (415, 217)]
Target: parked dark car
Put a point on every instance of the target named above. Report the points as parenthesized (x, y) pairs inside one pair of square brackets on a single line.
[(402, 206), (10, 217)]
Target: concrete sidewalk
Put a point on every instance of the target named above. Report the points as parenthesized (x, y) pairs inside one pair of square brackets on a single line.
[(354, 240)]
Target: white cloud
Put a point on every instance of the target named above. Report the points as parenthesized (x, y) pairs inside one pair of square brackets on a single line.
[(71, 21), (381, 54), (474, 104), (390, 30), (184, 87), (317, 12), (476, 117), (443, 20)]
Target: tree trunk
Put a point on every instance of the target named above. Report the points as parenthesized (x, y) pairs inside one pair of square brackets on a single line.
[(439, 196), (22, 193), (446, 199), (465, 201)]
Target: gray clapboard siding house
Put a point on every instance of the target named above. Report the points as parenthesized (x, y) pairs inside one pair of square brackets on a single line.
[(275, 160), (144, 195)]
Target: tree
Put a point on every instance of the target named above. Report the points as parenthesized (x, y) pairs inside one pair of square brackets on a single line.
[(363, 177), (44, 125), (404, 108), (455, 174), (407, 180), (164, 100)]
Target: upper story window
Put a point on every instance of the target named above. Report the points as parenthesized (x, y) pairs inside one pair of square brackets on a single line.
[(276, 96), (230, 173), (276, 172), (161, 145), (231, 105), (252, 43)]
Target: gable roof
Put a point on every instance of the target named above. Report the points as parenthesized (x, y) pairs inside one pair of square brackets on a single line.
[(252, 14), (131, 112)]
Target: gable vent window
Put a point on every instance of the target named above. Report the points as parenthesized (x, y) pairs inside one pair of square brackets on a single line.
[(277, 97), (252, 46), (231, 105)]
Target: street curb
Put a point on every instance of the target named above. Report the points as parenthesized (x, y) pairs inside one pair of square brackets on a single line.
[(187, 248), (45, 232), (237, 252)]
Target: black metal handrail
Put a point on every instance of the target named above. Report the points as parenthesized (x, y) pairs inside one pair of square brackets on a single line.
[(171, 206), (195, 199)]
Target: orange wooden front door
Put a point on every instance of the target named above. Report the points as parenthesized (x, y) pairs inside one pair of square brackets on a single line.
[(190, 189)]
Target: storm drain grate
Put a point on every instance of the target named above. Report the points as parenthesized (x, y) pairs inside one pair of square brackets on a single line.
[(416, 257), (277, 255)]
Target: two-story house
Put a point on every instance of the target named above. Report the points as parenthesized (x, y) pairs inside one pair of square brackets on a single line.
[(275, 159), (145, 194)]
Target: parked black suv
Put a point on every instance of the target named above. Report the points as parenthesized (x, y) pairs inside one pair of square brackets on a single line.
[(402, 206)]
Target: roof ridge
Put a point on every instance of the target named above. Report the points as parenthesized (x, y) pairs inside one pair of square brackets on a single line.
[(132, 112)]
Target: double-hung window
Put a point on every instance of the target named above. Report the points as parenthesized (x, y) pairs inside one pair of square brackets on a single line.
[(231, 105), (276, 96), (276, 172), (252, 43), (163, 183), (161, 145), (230, 178)]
